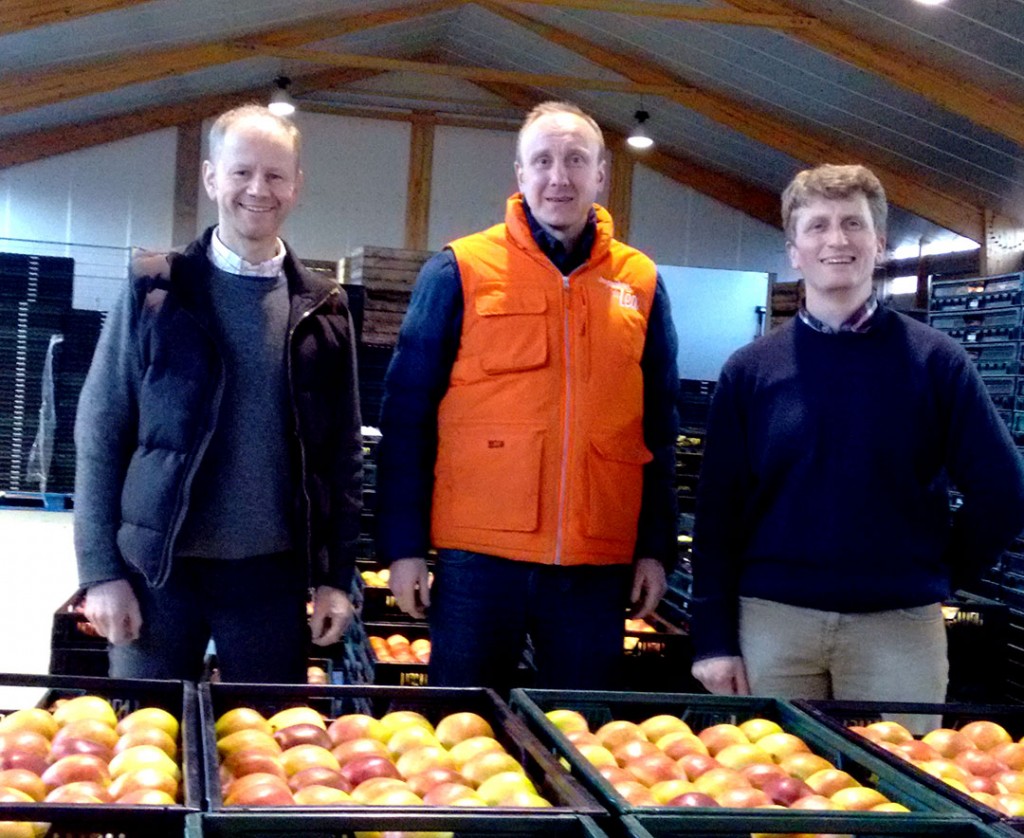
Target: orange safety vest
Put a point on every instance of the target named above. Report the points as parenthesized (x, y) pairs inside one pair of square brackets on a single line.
[(541, 445)]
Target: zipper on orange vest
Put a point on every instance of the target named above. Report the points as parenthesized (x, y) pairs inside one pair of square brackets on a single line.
[(564, 476)]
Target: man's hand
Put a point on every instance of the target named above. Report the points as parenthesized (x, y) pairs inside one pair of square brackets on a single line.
[(113, 609), (722, 675), (648, 587), (332, 612), (410, 583)]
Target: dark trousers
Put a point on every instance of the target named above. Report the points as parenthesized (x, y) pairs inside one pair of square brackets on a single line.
[(482, 608), (254, 609)]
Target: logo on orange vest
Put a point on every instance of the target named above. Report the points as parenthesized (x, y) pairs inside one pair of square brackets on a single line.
[(624, 293), (495, 443)]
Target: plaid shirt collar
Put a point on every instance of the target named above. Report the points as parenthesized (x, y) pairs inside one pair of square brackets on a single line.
[(859, 321), (230, 262)]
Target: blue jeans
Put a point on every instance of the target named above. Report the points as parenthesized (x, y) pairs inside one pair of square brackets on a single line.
[(483, 607), (255, 610)]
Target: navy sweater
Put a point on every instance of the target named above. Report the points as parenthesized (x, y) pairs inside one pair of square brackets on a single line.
[(824, 481)]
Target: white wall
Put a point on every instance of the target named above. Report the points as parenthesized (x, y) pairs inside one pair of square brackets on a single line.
[(355, 190), (677, 225), (471, 178), (122, 194)]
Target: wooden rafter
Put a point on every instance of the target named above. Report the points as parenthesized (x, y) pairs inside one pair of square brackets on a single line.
[(477, 74), (19, 15), (935, 84), (792, 139), (17, 149), (697, 14), (21, 91), (758, 203)]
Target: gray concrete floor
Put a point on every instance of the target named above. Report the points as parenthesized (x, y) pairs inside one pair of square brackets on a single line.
[(37, 573)]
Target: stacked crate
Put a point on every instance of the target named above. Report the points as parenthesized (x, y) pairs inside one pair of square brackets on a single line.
[(984, 315), (35, 293), (387, 276)]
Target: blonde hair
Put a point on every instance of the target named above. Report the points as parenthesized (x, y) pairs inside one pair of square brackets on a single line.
[(223, 123), (549, 108), (835, 183)]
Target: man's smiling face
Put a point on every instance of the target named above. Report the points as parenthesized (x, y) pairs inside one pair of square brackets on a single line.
[(255, 180), (835, 246)]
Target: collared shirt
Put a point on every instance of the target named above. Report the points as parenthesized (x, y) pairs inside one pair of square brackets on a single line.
[(860, 320), (565, 260), (227, 260)]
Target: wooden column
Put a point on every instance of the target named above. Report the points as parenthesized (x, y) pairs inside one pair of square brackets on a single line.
[(620, 191), (186, 183), (1002, 248), (417, 206)]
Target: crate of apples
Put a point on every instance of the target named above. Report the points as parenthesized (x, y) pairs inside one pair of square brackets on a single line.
[(351, 746), (124, 745), (979, 759), (651, 753)]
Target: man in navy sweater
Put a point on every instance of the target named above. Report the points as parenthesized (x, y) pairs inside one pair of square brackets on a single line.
[(824, 543)]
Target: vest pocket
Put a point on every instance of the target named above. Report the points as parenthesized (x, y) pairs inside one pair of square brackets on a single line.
[(615, 476), (490, 478), (514, 329)]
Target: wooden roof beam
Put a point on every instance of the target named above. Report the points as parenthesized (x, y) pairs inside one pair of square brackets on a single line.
[(903, 190), (19, 15), (27, 147), (938, 85), (21, 91), (476, 74), (760, 204), (696, 14)]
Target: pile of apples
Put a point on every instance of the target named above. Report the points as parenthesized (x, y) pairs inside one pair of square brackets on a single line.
[(756, 764), (400, 759), (79, 752), (981, 759), (398, 649)]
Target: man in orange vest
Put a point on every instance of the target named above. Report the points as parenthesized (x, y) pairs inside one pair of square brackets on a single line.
[(529, 425)]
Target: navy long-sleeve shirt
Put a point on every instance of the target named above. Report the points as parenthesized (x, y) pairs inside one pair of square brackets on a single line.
[(825, 474)]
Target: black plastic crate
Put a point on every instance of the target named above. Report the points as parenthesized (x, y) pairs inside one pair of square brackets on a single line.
[(988, 326), (840, 715), (659, 660), (71, 628), (125, 696), (668, 826), (970, 294), (404, 673), (88, 661), (977, 634), (926, 805), (346, 823), (550, 778)]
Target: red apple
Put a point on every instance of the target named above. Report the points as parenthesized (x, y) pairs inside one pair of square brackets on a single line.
[(424, 781), (458, 727), (448, 794), (982, 783), (240, 763), (720, 736), (23, 760), (614, 774), (77, 768), (786, 790), (717, 780), (1011, 754), (654, 768), (67, 746), (88, 729), (679, 743), (24, 740), (693, 798), (814, 801), (635, 794), (361, 769), (616, 733), (23, 780), (303, 733), (748, 798), (147, 736), (947, 742), (887, 731), (986, 735), (758, 773), (696, 764), (979, 763), (354, 748), (318, 775), (355, 726), (803, 764), (634, 749)]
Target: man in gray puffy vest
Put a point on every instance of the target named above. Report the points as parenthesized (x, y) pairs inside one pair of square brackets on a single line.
[(218, 438)]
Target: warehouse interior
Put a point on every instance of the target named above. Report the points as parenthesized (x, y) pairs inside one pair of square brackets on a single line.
[(409, 109)]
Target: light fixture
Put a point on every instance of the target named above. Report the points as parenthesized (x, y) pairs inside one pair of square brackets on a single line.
[(638, 137), (931, 2), (281, 102)]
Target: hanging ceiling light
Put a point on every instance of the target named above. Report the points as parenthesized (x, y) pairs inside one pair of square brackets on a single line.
[(281, 102), (638, 137)]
